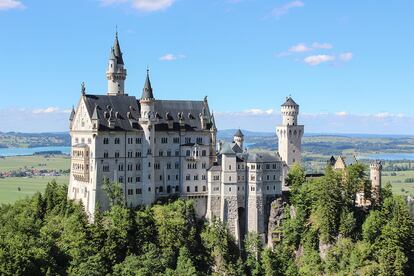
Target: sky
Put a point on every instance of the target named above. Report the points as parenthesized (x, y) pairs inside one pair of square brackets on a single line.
[(349, 64)]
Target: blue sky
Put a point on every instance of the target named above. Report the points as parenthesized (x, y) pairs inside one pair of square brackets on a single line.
[(348, 63)]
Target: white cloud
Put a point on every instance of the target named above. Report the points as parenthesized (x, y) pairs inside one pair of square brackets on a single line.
[(282, 10), (299, 48), (346, 56), (317, 45), (341, 113), (318, 59), (142, 5), (50, 109), (171, 57), (256, 111), (11, 4)]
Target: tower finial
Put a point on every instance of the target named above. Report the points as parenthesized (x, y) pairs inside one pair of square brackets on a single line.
[(83, 88), (116, 31)]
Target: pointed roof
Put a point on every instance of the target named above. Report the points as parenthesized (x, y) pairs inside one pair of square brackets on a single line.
[(290, 102), (95, 115), (239, 133), (117, 50), (226, 149), (147, 91), (72, 114)]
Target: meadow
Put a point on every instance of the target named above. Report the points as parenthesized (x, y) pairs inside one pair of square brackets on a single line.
[(9, 187), (39, 162)]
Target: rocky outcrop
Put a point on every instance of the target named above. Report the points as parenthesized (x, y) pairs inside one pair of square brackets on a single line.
[(275, 221)]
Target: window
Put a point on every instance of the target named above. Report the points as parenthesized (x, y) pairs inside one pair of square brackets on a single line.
[(196, 188), (176, 140), (129, 167), (252, 177), (196, 177), (161, 189), (164, 140), (253, 167), (168, 189), (117, 141), (117, 154), (230, 167), (188, 153), (169, 153), (204, 188), (177, 153), (138, 167), (204, 165), (130, 191), (203, 177), (138, 154), (168, 177), (268, 177), (229, 178), (138, 140), (216, 177), (177, 165), (130, 141), (160, 179), (129, 179), (188, 189), (105, 154), (187, 177), (204, 153), (187, 140), (157, 166), (199, 140), (267, 166), (130, 154), (138, 191), (161, 153), (137, 179), (121, 179), (106, 141), (120, 167), (105, 168), (176, 177), (168, 166), (149, 152)]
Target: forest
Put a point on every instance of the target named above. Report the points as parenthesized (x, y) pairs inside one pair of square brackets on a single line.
[(322, 232)]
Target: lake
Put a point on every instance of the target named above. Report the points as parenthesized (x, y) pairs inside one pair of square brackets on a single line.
[(389, 156), (31, 151)]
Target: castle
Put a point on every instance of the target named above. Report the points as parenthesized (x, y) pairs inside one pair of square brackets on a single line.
[(161, 148)]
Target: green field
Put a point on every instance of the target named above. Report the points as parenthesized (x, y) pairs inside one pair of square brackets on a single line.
[(58, 162), (9, 192), (398, 185)]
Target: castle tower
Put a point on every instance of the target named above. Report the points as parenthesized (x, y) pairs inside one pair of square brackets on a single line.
[(229, 204), (239, 138), (290, 133), (146, 120), (116, 74), (376, 178)]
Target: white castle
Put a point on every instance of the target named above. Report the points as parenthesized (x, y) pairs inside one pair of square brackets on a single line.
[(161, 148)]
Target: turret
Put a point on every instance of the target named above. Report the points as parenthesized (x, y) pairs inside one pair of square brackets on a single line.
[(147, 99), (290, 133), (116, 74), (376, 178), (239, 138), (290, 112)]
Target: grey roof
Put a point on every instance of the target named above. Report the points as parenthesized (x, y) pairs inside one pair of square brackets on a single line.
[(95, 115), (117, 51), (261, 157), (236, 148), (170, 110), (290, 102), (125, 112), (123, 109), (226, 149), (147, 90), (72, 114), (239, 133)]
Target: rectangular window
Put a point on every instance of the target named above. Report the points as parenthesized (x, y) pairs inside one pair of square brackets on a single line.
[(106, 141), (176, 140), (164, 140), (117, 141), (138, 191), (138, 140), (187, 140), (199, 140)]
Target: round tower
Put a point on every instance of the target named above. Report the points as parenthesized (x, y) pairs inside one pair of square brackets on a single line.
[(290, 112), (239, 138), (376, 178), (116, 73), (290, 133)]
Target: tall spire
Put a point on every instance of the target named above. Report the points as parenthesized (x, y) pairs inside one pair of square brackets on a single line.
[(117, 50), (116, 73), (147, 91)]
